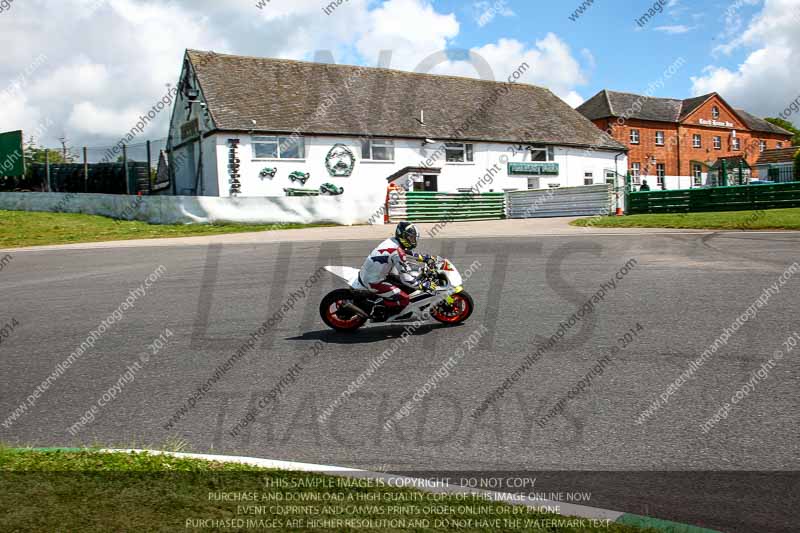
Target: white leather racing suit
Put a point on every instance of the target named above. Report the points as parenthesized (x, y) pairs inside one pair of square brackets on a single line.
[(388, 258)]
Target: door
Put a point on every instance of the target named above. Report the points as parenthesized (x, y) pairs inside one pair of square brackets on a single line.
[(430, 183)]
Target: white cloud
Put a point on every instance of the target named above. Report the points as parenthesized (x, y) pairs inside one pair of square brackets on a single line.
[(107, 61), (675, 29), (388, 29), (486, 11), (766, 81)]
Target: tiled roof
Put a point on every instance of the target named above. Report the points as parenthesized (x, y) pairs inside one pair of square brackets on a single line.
[(781, 155), (317, 98), (615, 104), (759, 124)]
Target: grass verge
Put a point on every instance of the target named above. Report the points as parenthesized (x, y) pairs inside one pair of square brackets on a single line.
[(81, 490), (786, 219), (24, 228)]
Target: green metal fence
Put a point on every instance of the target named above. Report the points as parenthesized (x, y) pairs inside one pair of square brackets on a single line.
[(737, 198), (444, 207)]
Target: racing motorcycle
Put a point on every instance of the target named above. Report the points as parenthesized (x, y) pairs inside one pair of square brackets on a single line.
[(440, 297)]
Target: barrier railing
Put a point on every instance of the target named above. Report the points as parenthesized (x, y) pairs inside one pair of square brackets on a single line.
[(734, 198), (444, 207)]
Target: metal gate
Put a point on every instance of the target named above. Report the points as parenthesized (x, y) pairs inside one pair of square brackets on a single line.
[(589, 200)]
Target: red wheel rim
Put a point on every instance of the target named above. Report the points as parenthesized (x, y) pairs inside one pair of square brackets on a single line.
[(457, 312), (350, 323)]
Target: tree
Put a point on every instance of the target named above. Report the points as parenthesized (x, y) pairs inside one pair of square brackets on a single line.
[(788, 126), (35, 153)]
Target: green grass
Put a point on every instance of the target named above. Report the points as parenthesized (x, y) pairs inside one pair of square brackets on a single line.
[(93, 492), (23, 228), (786, 219)]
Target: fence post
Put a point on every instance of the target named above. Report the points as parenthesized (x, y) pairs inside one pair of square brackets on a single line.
[(47, 169), (149, 170), (85, 169), (125, 167), (724, 174), (628, 184)]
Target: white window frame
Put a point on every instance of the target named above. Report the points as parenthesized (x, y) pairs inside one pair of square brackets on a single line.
[(278, 141), (468, 155), (636, 173), (717, 142), (715, 113), (697, 175), (659, 168), (697, 141), (368, 145), (549, 152), (636, 136), (663, 138), (588, 176), (762, 146), (736, 143), (779, 145)]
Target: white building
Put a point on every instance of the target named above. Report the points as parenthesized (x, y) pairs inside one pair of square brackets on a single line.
[(263, 121)]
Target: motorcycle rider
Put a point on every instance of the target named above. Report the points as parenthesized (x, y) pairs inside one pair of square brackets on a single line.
[(390, 258)]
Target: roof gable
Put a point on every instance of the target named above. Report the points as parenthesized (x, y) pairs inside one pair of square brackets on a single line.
[(274, 95), (698, 112)]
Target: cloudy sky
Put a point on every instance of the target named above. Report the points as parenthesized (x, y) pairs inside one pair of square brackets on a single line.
[(85, 69)]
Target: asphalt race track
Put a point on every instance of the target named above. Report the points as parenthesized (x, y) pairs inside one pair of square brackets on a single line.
[(678, 295)]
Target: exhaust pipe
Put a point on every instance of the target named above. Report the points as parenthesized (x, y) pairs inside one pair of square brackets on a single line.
[(355, 309)]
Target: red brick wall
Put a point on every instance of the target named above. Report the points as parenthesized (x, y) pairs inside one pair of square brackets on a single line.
[(678, 151)]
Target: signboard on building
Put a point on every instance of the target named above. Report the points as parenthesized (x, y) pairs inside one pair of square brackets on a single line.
[(533, 169), (717, 123), (190, 129), (12, 157)]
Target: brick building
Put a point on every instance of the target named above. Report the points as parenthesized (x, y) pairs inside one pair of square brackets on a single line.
[(674, 143)]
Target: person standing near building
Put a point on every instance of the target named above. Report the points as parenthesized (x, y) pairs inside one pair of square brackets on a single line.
[(645, 187)]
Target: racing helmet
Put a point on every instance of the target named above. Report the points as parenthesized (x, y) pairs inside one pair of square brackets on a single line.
[(406, 234)]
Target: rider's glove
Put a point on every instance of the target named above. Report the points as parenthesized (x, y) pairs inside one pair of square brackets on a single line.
[(429, 260), (427, 285)]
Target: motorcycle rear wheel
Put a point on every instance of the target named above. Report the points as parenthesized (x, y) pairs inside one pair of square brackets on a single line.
[(330, 309)]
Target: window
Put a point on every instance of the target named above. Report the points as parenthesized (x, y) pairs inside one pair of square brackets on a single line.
[(717, 143), (542, 153), (636, 172), (661, 170), (279, 147), (698, 175), (634, 136), (697, 140), (715, 113), (737, 143), (377, 150), (659, 138), (459, 152), (779, 145), (588, 178)]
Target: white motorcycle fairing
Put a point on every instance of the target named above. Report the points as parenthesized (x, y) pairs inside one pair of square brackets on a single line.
[(420, 301)]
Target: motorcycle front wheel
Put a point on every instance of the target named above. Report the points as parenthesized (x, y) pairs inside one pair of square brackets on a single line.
[(335, 316), (457, 312)]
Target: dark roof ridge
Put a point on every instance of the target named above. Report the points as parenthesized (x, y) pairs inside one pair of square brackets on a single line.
[(384, 69)]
